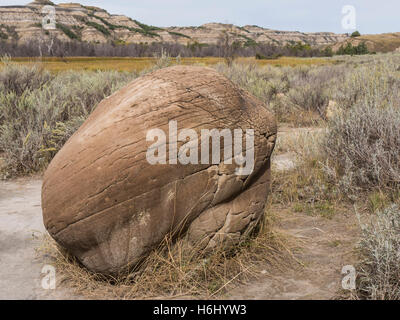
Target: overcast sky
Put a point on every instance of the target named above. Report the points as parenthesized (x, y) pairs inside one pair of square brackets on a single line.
[(372, 16)]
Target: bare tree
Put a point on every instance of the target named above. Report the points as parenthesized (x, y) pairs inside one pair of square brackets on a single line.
[(228, 45)]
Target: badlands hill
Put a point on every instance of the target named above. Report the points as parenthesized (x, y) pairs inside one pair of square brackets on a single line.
[(92, 24), (385, 42)]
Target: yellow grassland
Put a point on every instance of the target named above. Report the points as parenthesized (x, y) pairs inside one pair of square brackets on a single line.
[(138, 64)]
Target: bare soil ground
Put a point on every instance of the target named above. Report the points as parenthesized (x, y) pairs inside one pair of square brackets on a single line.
[(21, 227), (322, 248)]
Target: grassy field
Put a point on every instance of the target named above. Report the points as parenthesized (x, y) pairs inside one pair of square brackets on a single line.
[(139, 64)]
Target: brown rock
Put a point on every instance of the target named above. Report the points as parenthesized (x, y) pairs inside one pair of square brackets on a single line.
[(105, 203)]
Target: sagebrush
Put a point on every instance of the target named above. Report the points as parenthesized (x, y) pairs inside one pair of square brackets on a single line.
[(379, 268), (39, 112)]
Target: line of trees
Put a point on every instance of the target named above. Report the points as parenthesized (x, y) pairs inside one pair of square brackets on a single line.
[(350, 49), (226, 47), (57, 48)]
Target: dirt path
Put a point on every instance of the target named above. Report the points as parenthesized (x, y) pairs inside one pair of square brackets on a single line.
[(20, 228), (323, 247)]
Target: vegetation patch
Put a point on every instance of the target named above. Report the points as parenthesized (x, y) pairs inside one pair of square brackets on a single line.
[(178, 34), (144, 32), (249, 41), (379, 268), (272, 57), (349, 49), (99, 27), (7, 31), (244, 29), (146, 27), (3, 35), (67, 31), (109, 25)]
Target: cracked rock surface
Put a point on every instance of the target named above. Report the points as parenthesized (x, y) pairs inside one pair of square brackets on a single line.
[(104, 202)]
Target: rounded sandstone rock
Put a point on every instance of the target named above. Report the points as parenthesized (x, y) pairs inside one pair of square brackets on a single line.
[(107, 204)]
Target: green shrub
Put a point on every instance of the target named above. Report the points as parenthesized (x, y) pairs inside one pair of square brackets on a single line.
[(178, 34), (146, 27), (67, 31), (328, 52), (3, 35), (296, 47), (11, 31), (262, 57), (99, 27), (259, 56), (349, 49), (355, 34), (109, 25), (249, 41)]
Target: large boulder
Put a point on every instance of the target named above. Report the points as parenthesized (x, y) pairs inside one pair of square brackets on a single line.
[(109, 205)]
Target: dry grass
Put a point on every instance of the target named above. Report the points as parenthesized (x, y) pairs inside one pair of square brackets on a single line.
[(40, 111), (379, 266), (140, 64), (307, 189), (364, 137), (308, 186), (292, 61), (306, 182), (172, 272)]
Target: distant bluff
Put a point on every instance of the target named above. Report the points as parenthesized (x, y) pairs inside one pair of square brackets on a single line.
[(93, 24)]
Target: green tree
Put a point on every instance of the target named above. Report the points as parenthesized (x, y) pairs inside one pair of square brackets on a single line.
[(349, 49), (361, 48), (328, 52)]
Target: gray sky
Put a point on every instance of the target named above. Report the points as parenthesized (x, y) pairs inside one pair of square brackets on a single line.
[(372, 16)]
